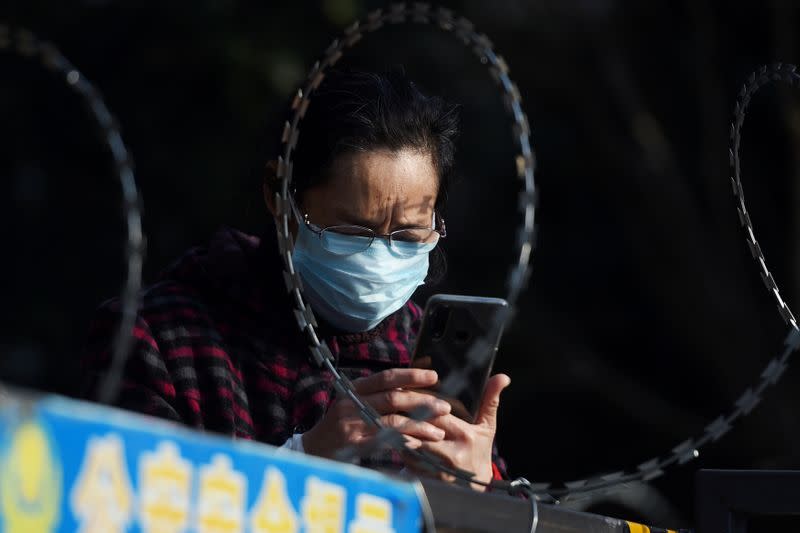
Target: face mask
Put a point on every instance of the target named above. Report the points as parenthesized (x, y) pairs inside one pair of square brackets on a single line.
[(355, 292)]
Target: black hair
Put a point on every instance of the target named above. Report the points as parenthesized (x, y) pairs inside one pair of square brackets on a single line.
[(357, 111)]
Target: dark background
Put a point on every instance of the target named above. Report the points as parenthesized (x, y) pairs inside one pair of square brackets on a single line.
[(646, 317)]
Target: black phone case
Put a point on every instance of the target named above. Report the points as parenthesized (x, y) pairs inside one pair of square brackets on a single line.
[(447, 345)]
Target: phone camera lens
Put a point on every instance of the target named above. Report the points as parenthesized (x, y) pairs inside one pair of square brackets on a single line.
[(439, 318)]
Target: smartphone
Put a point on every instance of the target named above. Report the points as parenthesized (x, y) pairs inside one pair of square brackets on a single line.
[(450, 325)]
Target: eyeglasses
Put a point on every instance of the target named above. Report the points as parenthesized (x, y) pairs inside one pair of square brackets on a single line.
[(348, 239)]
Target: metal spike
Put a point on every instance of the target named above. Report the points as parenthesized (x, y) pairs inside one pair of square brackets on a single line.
[(735, 187), (397, 14), (300, 317), (752, 249), (503, 66), (515, 93), (792, 340), (747, 401), (351, 29), (333, 58), (287, 280), (298, 97), (743, 90), (278, 201), (317, 80), (309, 314), (464, 24), (685, 451), (353, 39), (652, 474), (420, 13), (785, 312), (374, 20), (773, 371), (648, 465), (303, 108), (484, 41), (332, 48), (766, 277), (744, 218), (314, 70), (718, 428)]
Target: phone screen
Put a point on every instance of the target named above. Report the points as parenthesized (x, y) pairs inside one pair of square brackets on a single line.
[(450, 326)]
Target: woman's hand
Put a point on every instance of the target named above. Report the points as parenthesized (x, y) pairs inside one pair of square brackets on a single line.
[(469, 446), (389, 392)]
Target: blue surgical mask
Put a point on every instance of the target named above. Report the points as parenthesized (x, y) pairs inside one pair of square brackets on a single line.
[(356, 291)]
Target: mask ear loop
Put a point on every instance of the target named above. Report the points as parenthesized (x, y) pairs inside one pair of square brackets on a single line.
[(301, 219), (442, 227)]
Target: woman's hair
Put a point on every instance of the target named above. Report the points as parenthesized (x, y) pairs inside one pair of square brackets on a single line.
[(355, 111)]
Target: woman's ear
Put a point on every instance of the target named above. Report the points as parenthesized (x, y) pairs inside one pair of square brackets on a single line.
[(270, 178), (269, 199)]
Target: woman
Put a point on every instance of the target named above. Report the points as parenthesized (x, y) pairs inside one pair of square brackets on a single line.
[(216, 346)]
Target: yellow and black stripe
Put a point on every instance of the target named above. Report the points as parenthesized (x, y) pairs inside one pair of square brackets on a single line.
[(633, 527)]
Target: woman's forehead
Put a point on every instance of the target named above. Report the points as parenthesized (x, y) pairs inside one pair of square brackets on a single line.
[(381, 175)]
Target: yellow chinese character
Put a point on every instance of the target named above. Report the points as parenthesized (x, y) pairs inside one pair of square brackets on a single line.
[(273, 511), (30, 482), (165, 488), (221, 498), (102, 495), (323, 507), (373, 515)]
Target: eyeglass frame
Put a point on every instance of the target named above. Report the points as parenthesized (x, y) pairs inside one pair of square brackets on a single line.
[(319, 230)]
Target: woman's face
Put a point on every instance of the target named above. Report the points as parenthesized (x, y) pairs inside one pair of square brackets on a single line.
[(380, 189)]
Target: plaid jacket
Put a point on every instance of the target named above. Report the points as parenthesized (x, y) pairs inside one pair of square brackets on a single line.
[(217, 349)]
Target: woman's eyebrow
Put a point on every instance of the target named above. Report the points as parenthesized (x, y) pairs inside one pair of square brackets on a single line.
[(349, 218)]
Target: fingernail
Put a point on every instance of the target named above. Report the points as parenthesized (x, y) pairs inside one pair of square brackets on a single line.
[(433, 375), (438, 433), (442, 407)]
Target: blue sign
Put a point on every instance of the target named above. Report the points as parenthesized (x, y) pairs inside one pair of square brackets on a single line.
[(71, 466)]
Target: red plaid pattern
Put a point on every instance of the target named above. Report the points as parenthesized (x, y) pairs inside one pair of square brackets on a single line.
[(217, 349)]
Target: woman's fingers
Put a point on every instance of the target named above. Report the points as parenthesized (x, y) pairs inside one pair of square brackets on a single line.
[(413, 428), (487, 414), (453, 426), (461, 457), (405, 401), (396, 378)]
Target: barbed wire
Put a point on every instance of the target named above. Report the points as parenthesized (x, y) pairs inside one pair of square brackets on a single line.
[(689, 449), (683, 452), (481, 46), (25, 44), (766, 74)]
